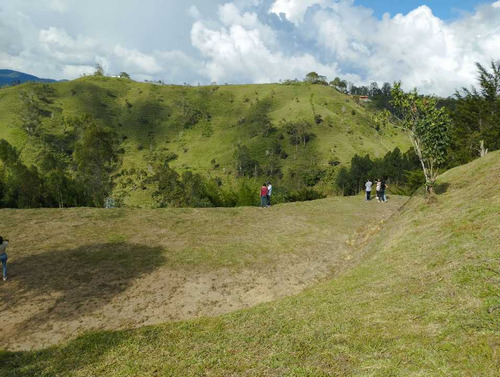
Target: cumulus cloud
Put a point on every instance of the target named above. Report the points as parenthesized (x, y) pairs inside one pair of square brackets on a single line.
[(138, 61), (294, 10), (418, 48), (242, 50), (247, 41), (59, 45)]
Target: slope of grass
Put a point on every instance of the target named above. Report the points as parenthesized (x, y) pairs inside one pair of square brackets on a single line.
[(424, 301), (151, 119)]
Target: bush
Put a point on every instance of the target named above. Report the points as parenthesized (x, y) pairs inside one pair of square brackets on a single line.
[(304, 195)]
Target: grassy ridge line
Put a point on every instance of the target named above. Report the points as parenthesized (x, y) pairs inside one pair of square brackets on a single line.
[(148, 119), (418, 305)]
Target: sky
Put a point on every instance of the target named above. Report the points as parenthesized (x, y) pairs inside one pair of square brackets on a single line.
[(430, 45)]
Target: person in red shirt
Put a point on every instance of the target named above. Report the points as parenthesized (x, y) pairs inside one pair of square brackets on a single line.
[(263, 195)]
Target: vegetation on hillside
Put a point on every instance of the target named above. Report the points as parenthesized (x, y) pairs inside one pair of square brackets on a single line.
[(227, 138)]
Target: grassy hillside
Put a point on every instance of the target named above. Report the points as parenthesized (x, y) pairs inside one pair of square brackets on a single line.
[(203, 125), (424, 300)]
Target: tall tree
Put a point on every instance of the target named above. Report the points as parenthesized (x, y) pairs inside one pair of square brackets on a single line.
[(97, 156), (477, 115), (428, 128)]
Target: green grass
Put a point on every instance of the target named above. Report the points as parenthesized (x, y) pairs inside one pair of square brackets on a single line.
[(147, 118), (416, 304)]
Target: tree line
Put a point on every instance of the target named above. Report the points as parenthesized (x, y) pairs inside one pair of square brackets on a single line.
[(402, 171)]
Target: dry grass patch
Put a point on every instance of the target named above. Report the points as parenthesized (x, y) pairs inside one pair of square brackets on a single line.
[(83, 269)]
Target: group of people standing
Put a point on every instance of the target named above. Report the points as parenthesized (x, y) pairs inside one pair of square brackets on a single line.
[(265, 195), (380, 189)]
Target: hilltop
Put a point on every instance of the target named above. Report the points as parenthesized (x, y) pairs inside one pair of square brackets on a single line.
[(200, 129), (420, 298)]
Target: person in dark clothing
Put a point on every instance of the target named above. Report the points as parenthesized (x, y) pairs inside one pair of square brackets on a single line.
[(269, 192), (383, 186), (3, 256)]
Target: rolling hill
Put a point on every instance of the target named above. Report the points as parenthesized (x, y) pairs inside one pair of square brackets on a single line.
[(9, 77), (202, 128), (420, 297)]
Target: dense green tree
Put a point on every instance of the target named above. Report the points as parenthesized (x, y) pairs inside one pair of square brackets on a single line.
[(477, 116), (97, 157), (344, 182), (99, 70), (23, 186), (246, 166), (169, 192), (298, 132), (257, 118), (314, 78)]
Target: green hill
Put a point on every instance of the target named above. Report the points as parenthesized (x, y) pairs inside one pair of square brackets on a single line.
[(10, 77), (203, 126), (423, 299)]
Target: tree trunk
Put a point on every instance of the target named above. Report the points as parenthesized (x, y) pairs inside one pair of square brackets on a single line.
[(482, 151)]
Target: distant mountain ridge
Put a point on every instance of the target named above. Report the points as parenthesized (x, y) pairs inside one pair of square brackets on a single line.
[(10, 77)]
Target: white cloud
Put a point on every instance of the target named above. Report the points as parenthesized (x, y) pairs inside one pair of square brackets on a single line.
[(238, 42), (77, 70), (239, 55), (138, 61), (294, 10), (229, 14), (58, 5), (194, 12), (57, 44), (418, 48)]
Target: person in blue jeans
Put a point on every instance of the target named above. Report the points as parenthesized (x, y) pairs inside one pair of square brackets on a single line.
[(3, 256)]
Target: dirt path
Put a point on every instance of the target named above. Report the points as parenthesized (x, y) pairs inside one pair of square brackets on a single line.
[(63, 296)]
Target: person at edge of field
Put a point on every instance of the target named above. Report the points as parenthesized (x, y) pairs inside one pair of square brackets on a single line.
[(377, 188), (3, 256), (383, 186), (368, 186), (263, 195), (269, 192)]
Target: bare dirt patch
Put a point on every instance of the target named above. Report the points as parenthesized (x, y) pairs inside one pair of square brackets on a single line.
[(159, 267)]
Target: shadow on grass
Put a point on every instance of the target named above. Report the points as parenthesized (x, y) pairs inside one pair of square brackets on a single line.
[(84, 279), (75, 355), (441, 188)]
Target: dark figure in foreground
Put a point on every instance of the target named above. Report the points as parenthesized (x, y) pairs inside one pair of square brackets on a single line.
[(3, 256)]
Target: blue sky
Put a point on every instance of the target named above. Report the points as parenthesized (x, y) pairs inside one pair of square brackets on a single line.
[(431, 45), (444, 9)]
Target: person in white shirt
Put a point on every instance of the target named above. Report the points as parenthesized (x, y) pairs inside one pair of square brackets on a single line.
[(3, 256), (368, 186), (269, 191)]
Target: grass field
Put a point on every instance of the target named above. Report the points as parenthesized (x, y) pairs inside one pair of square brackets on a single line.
[(74, 270), (422, 299)]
